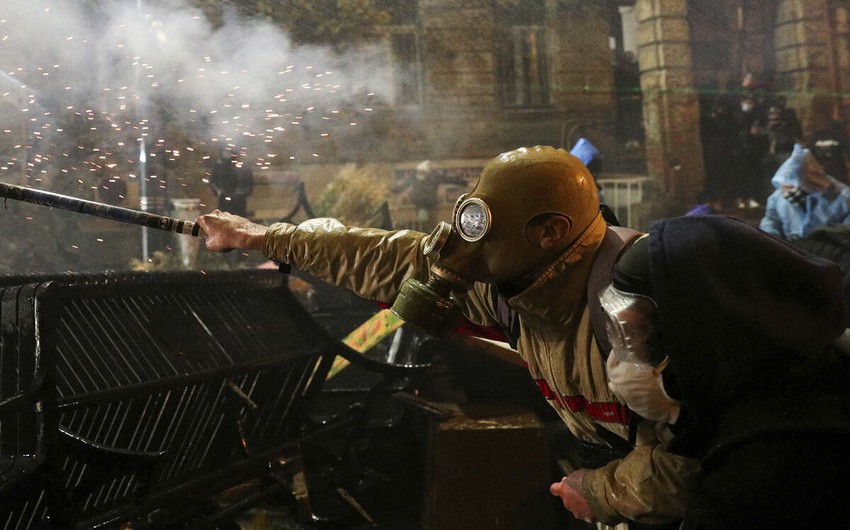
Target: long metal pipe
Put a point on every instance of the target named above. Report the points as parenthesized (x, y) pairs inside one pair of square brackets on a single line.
[(99, 209)]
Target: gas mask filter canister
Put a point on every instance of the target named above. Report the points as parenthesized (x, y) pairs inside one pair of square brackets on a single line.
[(430, 306)]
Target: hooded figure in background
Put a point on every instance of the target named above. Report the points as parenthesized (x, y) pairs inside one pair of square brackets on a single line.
[(805, 198), (729, 336)]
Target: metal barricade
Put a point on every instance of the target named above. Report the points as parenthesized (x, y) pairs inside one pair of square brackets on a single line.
[(133, 398)]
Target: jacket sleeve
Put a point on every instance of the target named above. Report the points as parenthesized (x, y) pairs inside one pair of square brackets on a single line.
[(370, 262), (648, 486), (771, 222)]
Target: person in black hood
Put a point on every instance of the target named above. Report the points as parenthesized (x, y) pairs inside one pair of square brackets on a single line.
[(731, 337)]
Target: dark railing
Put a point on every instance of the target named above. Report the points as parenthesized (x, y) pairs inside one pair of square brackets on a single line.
[(133, 399)]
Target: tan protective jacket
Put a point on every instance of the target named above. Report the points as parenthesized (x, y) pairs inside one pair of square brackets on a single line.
[(556, 341)]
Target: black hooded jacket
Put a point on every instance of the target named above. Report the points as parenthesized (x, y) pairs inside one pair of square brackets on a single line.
[(748, 323)]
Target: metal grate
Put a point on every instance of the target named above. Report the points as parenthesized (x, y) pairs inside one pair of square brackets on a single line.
[(159, 387)]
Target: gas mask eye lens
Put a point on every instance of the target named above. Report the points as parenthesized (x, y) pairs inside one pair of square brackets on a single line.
[(472, 219)]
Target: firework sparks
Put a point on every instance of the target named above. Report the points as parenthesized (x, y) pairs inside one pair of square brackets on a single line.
[(83, 87)]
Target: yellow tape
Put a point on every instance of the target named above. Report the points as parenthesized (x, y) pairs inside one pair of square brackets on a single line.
[(366, 336)]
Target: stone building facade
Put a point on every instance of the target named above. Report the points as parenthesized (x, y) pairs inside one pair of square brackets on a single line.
[(468, 79)]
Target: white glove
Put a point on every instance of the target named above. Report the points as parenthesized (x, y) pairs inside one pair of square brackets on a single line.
[(641, 388)]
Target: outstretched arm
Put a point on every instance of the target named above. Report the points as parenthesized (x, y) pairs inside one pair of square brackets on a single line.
[(370, 262)]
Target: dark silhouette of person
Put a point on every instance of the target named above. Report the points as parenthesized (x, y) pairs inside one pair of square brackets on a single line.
[(232, 182), (721, 151), (754, 145), (629, 106), (423, 189), (783, 131)]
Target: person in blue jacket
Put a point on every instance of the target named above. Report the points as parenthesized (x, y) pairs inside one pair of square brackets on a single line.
[(805, 198)]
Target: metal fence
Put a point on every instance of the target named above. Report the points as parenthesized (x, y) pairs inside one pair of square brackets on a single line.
[(624, 195)]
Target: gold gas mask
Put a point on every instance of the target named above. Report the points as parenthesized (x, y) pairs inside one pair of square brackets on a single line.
[(487, 240)]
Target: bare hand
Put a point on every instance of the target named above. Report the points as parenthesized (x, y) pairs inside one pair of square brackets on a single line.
[(571, 493), (225, 232)]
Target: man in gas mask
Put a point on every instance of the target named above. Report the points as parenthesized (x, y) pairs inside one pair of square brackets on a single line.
[(728, 335), (517, 256)]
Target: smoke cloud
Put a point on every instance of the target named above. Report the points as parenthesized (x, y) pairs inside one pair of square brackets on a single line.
[(81, 86), (126, 58)]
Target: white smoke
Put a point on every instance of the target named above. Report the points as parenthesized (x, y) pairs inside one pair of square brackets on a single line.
[(125, 71), (242, 80)]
